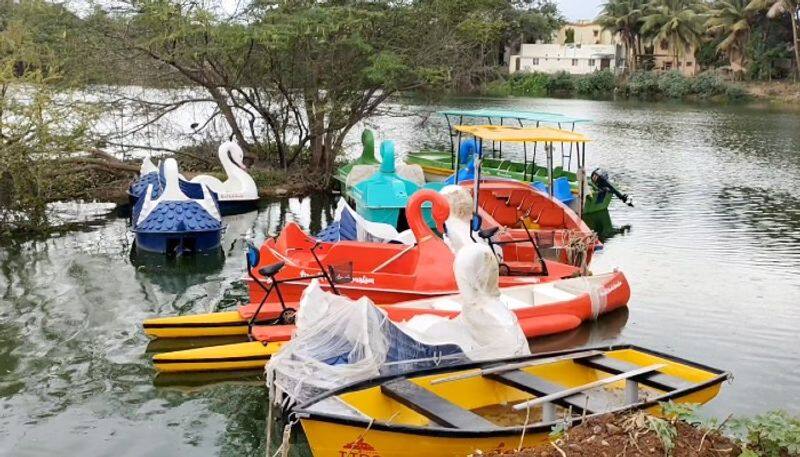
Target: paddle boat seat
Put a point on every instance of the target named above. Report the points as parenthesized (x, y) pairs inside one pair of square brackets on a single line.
[(272, 269), (437, 409), (535, 385), (562, 190)]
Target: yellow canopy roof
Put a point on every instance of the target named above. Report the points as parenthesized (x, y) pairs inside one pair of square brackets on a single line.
[(522, 134)]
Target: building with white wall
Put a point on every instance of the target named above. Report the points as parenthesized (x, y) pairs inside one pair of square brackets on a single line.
[(576, 59)]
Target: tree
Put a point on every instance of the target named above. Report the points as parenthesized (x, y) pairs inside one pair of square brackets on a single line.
[(625, 18), (679, 22), (730, 19), (775, 8)]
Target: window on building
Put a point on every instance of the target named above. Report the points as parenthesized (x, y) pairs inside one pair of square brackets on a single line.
[(535, 61), (591, 62), (667, 65), (664, 45), (518, 63), (689, 63), (574, 62), (596, 33)]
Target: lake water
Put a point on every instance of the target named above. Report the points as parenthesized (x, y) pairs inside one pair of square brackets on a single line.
[(711, 250)]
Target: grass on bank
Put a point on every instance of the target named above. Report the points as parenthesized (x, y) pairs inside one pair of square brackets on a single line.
[(640, 84)]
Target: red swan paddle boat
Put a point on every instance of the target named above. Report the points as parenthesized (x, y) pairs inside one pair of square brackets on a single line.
[(387, 272)]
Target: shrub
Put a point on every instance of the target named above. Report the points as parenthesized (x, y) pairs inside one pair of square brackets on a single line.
[(561, 82), (674, 85), (643, 84), (529, 84), (773, 434), (708, 84), (735, 91), (599, 82)]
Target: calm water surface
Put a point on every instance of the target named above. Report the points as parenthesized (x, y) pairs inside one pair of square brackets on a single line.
[(712, 252)]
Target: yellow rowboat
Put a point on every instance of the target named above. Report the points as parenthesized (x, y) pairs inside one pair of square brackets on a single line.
[(241, 356), (497, 405)]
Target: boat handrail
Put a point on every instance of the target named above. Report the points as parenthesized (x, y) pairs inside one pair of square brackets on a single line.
[(398, 255), (588, 386)]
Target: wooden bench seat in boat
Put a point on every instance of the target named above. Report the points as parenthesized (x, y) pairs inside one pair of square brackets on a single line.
[(535, 385), (432, 406), (654, 379)]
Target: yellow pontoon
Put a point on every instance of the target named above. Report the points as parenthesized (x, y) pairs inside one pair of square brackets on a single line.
[(452, 411)]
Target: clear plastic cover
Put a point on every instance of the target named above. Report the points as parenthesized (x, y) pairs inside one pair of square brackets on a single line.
[(373, 232), (339, 340)]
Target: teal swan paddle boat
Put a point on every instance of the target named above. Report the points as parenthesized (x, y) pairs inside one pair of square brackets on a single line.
[(383, 196)]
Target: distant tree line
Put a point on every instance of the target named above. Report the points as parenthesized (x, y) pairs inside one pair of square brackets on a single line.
[(756, 37)]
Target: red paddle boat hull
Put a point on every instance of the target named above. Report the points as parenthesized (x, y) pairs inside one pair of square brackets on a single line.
[(386, 272), (605, 294)]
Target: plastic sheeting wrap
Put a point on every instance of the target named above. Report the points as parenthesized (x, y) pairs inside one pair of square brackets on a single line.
[(373, 232), (459, 221), (411, 172), (486, 328), (339, 340)]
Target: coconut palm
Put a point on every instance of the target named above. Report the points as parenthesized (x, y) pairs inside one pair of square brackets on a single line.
[(625, 18), (775, 8), (730, 19), (680, 22)]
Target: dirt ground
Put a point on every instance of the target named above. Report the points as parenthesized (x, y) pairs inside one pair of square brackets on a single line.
[(631, 435)]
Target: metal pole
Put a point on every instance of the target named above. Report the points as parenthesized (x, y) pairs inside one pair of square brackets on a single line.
[(476, 184), (549, 148), (501, 143), (452, 146), (582, 176), (456, 161)]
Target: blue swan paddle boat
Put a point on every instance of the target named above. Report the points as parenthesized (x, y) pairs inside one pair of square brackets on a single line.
[(237, 194), (177, 217)]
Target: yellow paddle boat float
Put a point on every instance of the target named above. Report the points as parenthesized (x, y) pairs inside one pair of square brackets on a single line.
[(497, 405)]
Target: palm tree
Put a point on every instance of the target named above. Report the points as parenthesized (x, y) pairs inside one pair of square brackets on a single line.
[(678, 22), (731, 20), (625, 18), (775, 8)]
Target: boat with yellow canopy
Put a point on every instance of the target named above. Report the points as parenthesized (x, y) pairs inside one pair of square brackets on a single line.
[(577, 190), (497, 405)]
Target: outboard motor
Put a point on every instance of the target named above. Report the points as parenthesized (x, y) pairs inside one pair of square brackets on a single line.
[(600, 179)]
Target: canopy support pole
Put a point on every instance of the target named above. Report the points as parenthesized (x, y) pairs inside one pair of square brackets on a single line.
[(581, 176), (549, 149), (452, 145)]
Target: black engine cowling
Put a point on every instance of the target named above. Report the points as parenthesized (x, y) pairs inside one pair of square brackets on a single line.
[(599, 178)]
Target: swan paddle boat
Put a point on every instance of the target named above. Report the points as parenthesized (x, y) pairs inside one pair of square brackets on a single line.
[(367, 158), (498, 405), (178, 217), (148, 174), (238, 193), (384, 195)]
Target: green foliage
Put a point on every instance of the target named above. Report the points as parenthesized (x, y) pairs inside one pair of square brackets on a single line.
[(643, 84), (673, 84), (709, 84), (561, 82), (664, 430), (37, 128), (597, 83), (774, 434)]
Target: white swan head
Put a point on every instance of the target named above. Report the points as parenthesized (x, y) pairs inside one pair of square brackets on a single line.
[(230, 152), (460, 202)]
